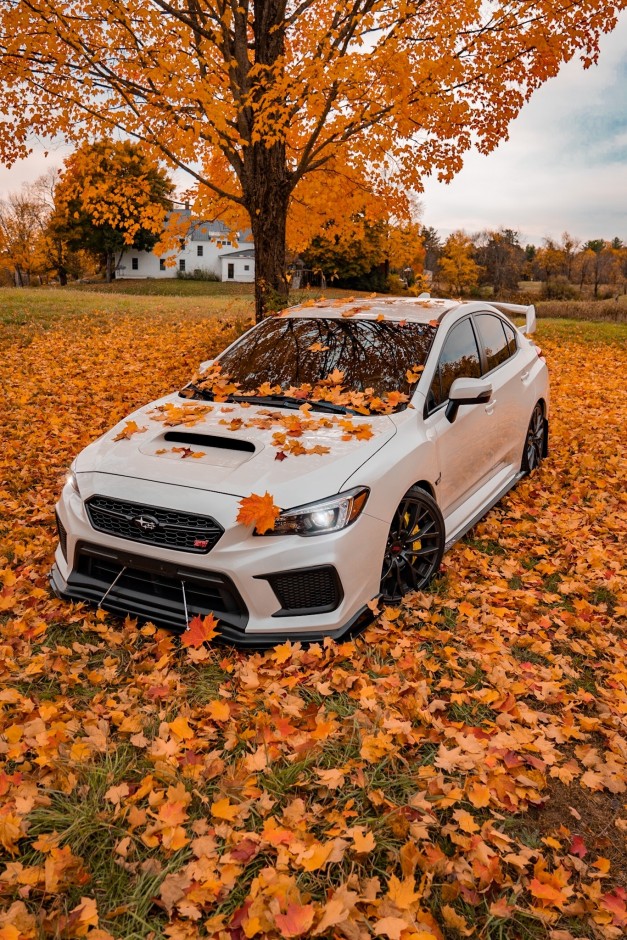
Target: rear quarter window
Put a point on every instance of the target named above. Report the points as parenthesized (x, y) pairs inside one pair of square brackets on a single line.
[(495, 341)]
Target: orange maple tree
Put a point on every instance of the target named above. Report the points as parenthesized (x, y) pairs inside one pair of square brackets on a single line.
[(316, 110)]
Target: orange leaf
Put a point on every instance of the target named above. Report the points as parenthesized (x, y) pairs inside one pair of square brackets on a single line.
[(224, 809), (259, 511), (130, 428), (296, 921), (219, 710), (199, 630)]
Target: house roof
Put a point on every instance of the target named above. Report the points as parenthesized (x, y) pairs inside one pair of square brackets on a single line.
[(204, 231), (244, 253)]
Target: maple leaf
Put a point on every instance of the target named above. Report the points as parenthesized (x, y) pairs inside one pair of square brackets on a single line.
[(258, 511), (219, 710), (130, 428), (391, 927), (317, 347), (296, 921), (200, 630), (414, 373), (224, 809)]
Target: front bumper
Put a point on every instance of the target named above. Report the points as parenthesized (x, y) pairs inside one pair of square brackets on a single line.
[(262, 590)]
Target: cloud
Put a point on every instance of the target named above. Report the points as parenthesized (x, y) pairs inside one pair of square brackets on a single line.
[(564, 166)]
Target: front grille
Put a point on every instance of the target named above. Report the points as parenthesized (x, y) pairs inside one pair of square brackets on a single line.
[(153, 591), (62, 536), (153, 525), (306, 590)]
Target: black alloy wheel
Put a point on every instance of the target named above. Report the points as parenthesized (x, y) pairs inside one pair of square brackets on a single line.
[(414, 547), (535, 441)]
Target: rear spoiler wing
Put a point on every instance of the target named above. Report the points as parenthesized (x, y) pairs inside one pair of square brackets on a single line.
[(520, 310)]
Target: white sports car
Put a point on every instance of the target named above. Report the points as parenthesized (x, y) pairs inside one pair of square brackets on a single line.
[(382, 429)]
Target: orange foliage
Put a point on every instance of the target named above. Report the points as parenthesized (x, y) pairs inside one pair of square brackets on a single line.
[(329, 105), (392, 785)]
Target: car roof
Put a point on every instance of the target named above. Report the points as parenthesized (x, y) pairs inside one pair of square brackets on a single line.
[(411, 309)]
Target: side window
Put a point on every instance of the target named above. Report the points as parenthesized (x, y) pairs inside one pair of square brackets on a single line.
[(510, 333), (459, 359), (495, 342)]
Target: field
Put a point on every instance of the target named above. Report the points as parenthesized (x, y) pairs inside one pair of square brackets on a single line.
[(459, 770)]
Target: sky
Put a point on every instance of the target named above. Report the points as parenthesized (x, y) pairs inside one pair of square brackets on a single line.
[(563, 168)]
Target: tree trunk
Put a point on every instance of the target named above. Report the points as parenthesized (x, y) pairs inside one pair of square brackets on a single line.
[(62, 276), (264, 172), (110, 260), (267, 192)]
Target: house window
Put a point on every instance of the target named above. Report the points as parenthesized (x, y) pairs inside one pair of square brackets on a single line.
[(135, 264), (230, 274), (199, 251), (181, 264), (246, 267), (162, 264)]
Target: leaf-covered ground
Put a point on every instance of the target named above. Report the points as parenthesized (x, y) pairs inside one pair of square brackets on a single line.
[(457, 771)]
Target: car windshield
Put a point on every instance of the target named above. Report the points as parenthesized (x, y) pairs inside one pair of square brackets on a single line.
[(376, 357)]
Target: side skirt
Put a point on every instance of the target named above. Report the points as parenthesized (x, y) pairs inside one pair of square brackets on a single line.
[(478, 516)]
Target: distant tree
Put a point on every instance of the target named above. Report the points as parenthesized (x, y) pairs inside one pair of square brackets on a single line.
[(111, 196), (22, 218), (57, 257), (601, 265), (501, 257), (432, 247), (457, 270), (364, 258)]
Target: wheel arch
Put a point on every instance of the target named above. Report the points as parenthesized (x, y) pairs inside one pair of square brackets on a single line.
[(545, 444), (426, 486)]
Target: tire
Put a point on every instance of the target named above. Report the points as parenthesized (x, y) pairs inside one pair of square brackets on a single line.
[(414, 547), (535, 440)]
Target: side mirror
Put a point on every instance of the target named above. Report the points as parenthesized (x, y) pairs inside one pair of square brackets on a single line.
[(467, 392), (205, 365)]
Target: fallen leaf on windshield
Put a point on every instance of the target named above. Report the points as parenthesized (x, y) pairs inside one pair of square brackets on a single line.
[(258, 511), (413, 374)]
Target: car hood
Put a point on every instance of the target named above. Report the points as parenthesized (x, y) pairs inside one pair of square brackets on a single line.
[(209, 446)]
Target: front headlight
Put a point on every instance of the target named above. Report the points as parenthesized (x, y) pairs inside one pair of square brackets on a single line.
[(324, 516), (71, 479)]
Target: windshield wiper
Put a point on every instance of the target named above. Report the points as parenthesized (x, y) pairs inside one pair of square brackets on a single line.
[(286, 401), (282, 401)]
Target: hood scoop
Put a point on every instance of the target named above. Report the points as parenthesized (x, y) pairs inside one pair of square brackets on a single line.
[(204, 449), (191, 439)]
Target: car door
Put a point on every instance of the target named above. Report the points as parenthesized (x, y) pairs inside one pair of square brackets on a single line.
[(465, 447), (506, 365)]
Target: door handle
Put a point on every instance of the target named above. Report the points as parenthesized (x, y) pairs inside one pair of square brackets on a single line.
[(524, 375)]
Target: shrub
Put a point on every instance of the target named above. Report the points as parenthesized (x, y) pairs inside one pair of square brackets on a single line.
[(559, 288), (198, 274)]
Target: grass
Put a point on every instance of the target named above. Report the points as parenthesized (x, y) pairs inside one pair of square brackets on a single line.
[(89, 825), (45, 307)]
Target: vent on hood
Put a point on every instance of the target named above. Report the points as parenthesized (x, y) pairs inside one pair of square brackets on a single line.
[(209, 440)]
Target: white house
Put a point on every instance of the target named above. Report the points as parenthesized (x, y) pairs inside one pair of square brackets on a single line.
[(238, 265), (207, 247)]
